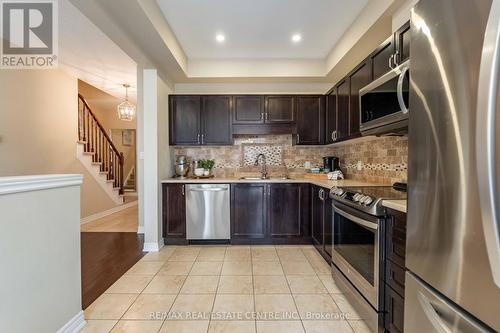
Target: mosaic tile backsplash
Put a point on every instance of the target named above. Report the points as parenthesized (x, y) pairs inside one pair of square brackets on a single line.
[(383, 160)]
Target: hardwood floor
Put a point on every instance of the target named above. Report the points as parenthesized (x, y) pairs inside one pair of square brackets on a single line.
[(122, 221), (106, 256)]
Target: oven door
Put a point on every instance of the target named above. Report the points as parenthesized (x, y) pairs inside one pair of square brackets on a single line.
[(355, 250), (384, 102)]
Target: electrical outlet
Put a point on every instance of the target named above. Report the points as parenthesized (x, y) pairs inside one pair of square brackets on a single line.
[(359, 166)]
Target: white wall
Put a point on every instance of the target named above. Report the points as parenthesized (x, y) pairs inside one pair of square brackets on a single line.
[(40, 283), (402, 14), (252, 88)]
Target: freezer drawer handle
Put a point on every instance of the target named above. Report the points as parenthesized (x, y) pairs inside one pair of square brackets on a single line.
[(487, 120), (432, 314)]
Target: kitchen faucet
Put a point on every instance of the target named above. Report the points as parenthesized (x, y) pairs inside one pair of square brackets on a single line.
[(263, 166)]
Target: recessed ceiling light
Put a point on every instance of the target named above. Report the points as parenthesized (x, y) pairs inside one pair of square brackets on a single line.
[(220, 38), (296, 38)]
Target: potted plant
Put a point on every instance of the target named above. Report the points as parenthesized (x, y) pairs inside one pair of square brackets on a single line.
[(207, 165)]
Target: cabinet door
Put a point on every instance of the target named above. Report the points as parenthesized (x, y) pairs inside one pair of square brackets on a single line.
[(185, 113), (248, 109), (216, 117), (317, 217), (310, 120), (328, 223), (174, 211), (395, 241), (288, 210), (395, 308), (358, 79), (331, 117), (379, 59), (248, 210), (279, 109), (403, 43), (343, 109)]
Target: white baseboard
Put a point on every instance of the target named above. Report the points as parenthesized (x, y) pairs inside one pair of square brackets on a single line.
[(153, 247), (74, 325), (140, 229), (99, 215)]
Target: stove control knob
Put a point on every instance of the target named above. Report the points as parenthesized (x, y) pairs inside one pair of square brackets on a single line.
[(368, 201), (357, 196), (362, 199), (340, 192)]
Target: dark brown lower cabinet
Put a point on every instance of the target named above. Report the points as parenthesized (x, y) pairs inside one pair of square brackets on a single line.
[(248, 211), (174, 213), (321, 220), (288, 210), (395, 271), (270, 213)]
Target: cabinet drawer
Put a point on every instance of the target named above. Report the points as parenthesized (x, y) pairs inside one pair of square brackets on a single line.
[(396, 240), (394, 307), (395, 277)]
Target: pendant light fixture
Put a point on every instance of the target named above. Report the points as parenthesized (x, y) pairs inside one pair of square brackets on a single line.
[(126, 110)]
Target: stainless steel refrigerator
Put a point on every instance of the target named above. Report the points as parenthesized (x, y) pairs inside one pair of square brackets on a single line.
[(453, 239)]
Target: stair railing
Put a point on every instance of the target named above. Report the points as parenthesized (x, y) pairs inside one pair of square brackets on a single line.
[(97, 142)]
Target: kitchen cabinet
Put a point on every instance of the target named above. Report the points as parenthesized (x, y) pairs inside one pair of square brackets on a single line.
[(174, 212), (248, 211), (248, 109), (280, 109), (331, 117), (321, 220), (380, 59), (395, 242), (216, 120), (310, 120), (343, 110), (200, 120), (288, 210), (359, 78), (185, 112), (402, 41)]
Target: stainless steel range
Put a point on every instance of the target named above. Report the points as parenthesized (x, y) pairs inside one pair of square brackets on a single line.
[(358, 234)]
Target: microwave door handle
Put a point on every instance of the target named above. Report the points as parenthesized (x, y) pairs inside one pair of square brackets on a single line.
[(355, 219), (401, 100), (486, 136)]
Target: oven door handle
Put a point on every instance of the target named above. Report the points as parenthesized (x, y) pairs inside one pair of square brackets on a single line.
[(367, 224)]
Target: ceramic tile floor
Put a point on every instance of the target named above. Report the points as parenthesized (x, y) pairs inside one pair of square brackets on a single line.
[(225, 289)]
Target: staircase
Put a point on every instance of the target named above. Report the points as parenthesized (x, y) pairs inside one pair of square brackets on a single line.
[(129, 184), (98, 154)]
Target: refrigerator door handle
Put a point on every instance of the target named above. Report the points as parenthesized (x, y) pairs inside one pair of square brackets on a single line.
[(401, 79), (486, 138)]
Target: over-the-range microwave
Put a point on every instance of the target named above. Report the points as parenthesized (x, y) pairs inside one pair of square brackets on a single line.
[(383, 104)]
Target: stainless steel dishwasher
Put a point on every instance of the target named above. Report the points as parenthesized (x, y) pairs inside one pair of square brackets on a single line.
[(207, 211)]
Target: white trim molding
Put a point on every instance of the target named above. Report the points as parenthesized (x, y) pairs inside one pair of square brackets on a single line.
[(153, 247), (140, 229), (74, 325), (110, 211), (18, 184)]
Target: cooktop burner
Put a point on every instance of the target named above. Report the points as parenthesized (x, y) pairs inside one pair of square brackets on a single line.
[(367, 198)]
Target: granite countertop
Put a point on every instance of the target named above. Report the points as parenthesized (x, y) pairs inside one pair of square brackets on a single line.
[(399, 205), (318, 182)]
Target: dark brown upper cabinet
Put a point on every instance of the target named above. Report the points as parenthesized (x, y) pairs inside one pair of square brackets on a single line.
[(402, 39), (216, 120), (381, 58), (310, 120), (343, 109), (359, 78), (200, 120), (248, 109), (280, 109), (174, 212), (185, 112), (331, 133)]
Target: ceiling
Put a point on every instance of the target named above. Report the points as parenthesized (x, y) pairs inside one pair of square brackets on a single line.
[(88, 54), (259, 29)]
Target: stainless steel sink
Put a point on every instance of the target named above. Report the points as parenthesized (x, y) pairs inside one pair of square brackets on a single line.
[(259, 178)]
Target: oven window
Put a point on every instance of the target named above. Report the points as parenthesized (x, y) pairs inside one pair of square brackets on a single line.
[(383, 100), (356, 244)]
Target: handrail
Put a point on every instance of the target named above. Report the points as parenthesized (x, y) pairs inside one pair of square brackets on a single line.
[(96, 139), (99, 124)]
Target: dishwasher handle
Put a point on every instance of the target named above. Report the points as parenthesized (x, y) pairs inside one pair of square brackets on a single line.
[(209, 189)]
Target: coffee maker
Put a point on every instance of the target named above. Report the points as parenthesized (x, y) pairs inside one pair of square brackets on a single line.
[(331, 163)]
